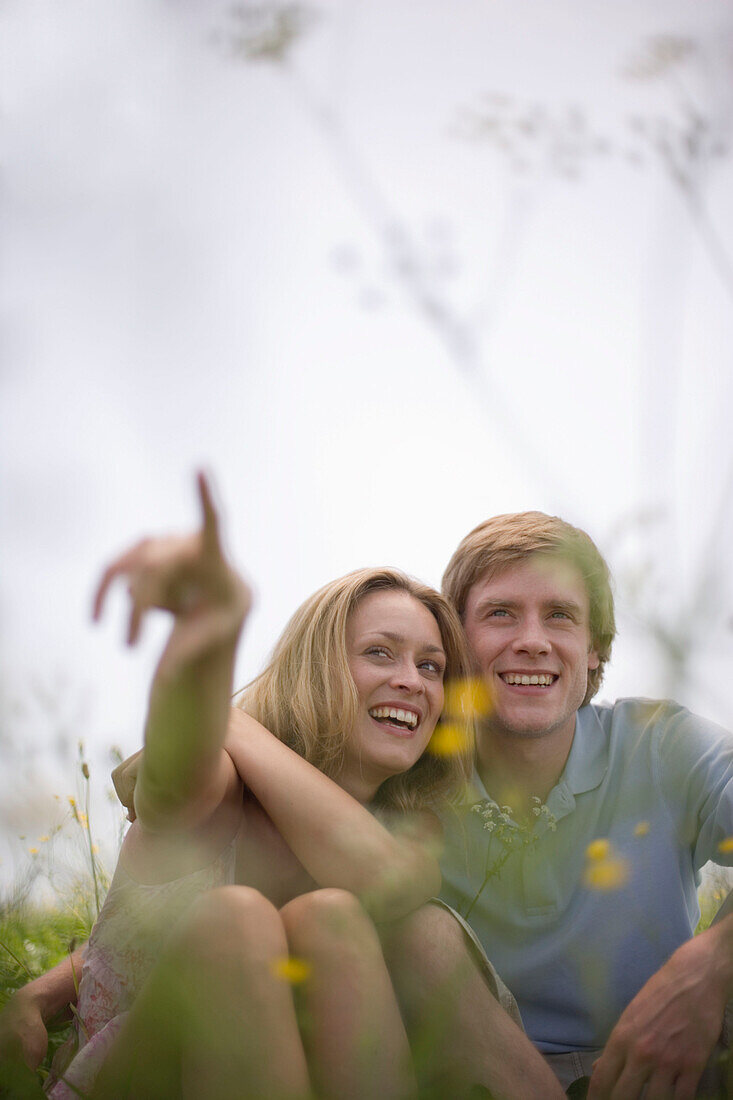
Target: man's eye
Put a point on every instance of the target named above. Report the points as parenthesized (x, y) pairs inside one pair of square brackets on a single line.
[(497, 612), (560, 615)]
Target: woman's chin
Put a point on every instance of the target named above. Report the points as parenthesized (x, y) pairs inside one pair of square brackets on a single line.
[(363, 778), (395, 763)]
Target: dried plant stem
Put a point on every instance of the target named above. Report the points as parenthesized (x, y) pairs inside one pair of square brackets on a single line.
[(14, 956), (493, 870), (92, 859)]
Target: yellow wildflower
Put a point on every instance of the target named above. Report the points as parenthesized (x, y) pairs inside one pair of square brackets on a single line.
[(467, 698), (33, 851), (43, 839), (598, 849), (726, 845), (291, 969), (448, 740), (641, 829), (606, 874)]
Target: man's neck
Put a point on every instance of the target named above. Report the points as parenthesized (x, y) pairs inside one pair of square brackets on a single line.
[(516, 768)]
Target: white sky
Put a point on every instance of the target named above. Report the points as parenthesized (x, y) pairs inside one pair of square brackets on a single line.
[(202, 264)]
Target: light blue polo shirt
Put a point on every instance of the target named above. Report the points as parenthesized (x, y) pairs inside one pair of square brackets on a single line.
[(657, 783)]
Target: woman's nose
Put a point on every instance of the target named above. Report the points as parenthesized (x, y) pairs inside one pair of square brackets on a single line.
[(407, 676)]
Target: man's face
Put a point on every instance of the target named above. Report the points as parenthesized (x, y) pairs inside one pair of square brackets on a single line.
[(529, 635)]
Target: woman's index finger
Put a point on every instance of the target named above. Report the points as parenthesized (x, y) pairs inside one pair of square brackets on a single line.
[(210, 526)]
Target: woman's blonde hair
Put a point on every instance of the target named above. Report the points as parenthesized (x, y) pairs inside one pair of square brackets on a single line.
[(307, 698)]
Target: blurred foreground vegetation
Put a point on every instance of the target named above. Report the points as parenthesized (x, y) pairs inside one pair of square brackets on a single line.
[(34, 938), (51, 907), (36, 935)]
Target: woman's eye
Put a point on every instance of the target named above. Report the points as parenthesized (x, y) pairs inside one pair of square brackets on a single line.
[(433, 667), (377, 651)]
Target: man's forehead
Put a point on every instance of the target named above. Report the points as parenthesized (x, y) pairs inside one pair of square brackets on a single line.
[(544, 574)]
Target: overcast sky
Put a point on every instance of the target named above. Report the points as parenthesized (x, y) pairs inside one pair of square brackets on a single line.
[(385, 269)]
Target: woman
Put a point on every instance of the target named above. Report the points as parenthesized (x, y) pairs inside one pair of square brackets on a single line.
[(257, 860)]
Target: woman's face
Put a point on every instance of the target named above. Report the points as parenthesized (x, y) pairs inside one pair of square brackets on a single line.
[(396, 656)]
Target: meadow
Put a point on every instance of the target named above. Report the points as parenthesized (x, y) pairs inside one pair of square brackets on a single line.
[(50, 908), (36, 935)]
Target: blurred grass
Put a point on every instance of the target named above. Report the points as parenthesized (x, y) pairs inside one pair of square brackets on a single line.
[(34, 938), (716, 885)]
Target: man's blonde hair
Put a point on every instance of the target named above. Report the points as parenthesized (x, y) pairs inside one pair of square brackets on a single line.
[(505, 540), (307, 698)]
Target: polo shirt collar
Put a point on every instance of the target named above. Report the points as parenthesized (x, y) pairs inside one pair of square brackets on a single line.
[(587, 761), (585, 767)]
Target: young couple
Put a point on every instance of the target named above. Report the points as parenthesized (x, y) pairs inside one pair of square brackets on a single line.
[(291, 837), (297, 831)]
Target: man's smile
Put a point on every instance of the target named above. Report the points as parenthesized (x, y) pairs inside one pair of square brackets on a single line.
[(529, 679)]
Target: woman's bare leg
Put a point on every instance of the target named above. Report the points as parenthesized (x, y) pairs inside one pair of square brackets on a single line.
[(461, 1036), (212, 1020), (352, 1028)]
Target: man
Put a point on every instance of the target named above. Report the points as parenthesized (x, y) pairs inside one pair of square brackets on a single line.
[(578, 855)]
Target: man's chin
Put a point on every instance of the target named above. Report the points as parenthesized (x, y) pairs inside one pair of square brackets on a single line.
[(525, 734), (528, 728)]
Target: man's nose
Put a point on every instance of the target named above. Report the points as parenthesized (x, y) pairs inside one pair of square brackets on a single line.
[(531, 637)]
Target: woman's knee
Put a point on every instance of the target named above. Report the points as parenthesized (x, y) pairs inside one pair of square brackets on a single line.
[(329, 916), (227, 919)]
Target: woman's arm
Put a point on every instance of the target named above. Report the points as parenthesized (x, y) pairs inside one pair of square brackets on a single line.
[(338, 841), (184, 776)]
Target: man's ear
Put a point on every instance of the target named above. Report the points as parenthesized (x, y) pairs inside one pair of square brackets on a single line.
[(593, 660)]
